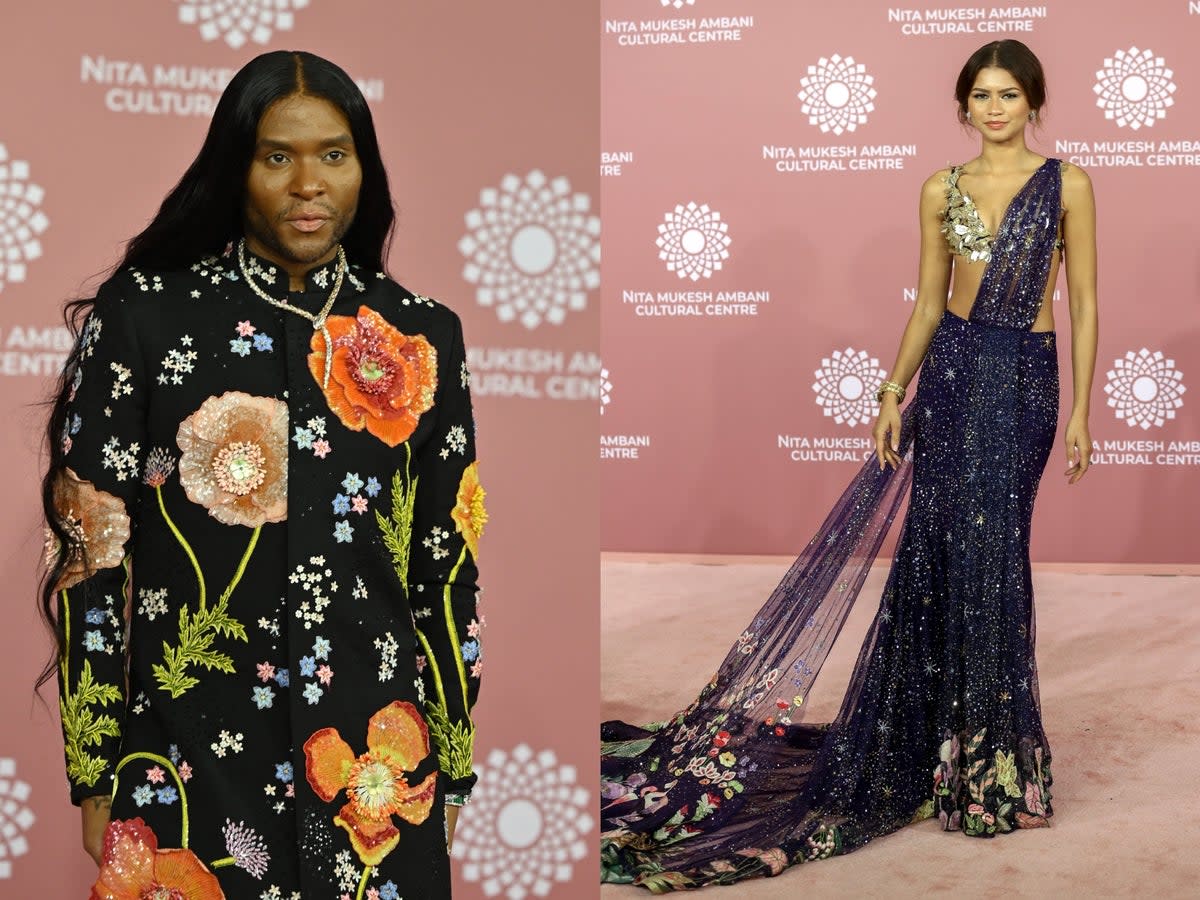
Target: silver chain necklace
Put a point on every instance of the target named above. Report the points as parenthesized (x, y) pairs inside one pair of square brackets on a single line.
[(318, 320)]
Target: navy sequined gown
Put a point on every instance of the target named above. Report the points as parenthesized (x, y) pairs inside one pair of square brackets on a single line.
[(941, 717)]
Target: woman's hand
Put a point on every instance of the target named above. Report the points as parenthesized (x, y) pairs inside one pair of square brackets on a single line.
[(1079, 448), (887, 432), (95, 812)]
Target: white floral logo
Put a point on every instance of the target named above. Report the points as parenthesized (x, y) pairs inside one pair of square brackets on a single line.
[(1145, 389), (239, 20), (605, 390), (678, 4), (845, 386), (533, 249), (1134, 88), (15, 816), (21, 221), (525, 827), (836, 94), (693, 241)]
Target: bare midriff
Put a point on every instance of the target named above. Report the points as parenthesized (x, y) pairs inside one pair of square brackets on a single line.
[(965, 287)]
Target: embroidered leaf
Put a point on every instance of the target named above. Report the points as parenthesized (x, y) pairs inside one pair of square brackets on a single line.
[(455, 741), (1006, 773), (774, 859), (397, 531), (662, 882), (989, 779), (924, 811), (82, 728), (976, 767), (196, 634), (973, 746)]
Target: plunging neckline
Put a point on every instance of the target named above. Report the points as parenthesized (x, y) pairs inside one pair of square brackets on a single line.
[(989, 233)]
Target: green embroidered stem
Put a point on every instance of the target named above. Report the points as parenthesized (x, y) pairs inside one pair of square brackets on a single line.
[(362, 883), (197, 633), (81, 726), (184, 544), (431, 661), (170, 767), (451, 628), (222, 863), (64, 659)]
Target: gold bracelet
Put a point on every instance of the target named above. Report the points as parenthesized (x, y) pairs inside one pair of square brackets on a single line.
[(890, 387)]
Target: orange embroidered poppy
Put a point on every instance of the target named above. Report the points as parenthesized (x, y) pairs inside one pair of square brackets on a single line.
[(469, 514), (133, 868), (376, 782), (380, 379), (98, 521)]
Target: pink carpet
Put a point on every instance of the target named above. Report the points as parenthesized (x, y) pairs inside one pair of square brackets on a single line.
[(1118, 660)]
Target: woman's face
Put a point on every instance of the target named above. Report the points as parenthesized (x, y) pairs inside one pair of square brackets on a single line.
[(998, 107)]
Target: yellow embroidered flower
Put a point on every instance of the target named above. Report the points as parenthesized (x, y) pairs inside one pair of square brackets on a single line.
[(469, 514)]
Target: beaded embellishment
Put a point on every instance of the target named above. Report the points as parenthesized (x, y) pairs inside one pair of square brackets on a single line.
[(962, 224)]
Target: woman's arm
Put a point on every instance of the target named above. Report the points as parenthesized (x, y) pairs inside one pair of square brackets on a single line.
[(933, 283), (1079, 233)]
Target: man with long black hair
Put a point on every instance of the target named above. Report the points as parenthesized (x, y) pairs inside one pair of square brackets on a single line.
[(266, 444)]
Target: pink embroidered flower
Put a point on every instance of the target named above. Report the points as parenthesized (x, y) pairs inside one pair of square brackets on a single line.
[(477, 668), (266, 671), (358, 503), (159, 465), (974, 809), (473, 629), (156, 775), (988, 818), (234, 459), (421, 663), (99, 522), (185, 772), (321, 448), (325, 674), (245, 329)]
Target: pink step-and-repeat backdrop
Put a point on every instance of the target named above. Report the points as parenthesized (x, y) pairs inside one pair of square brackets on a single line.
[(488, 120), (761, 164)]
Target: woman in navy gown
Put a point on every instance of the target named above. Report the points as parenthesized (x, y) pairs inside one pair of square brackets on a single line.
[(941, 717)]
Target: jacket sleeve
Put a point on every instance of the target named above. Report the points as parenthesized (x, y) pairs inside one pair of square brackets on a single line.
[(96, 496), (448, 517)]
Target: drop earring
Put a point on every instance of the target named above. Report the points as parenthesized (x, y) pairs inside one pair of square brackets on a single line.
[(1033, 115)]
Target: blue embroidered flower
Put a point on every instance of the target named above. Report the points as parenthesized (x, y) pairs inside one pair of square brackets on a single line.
[(303, 438), (263, 697), (167, 795), (352, 483), (282, 678), (372, 486), (308, 666), (343, 533), (76, 424), (173, 753), (470, 651), (240, 346), (143, 794), (94, 616), (93, 640), (389, 891), (321, 648), (341, 505), (263, 342), (283, 771), (312, 693)]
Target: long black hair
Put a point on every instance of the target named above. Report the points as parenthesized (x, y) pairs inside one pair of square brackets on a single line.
[(198, 218)]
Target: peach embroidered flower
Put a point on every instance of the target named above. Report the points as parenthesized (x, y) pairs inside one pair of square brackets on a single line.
[(376, 782), (380, 379), (469, 514), (234, 458), (97, 520), (133, 868)]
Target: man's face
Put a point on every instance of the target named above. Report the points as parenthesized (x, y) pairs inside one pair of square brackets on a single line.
[(303, 183)]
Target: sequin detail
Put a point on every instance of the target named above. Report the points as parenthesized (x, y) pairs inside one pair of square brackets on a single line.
[(963, 226), (941, 716)]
